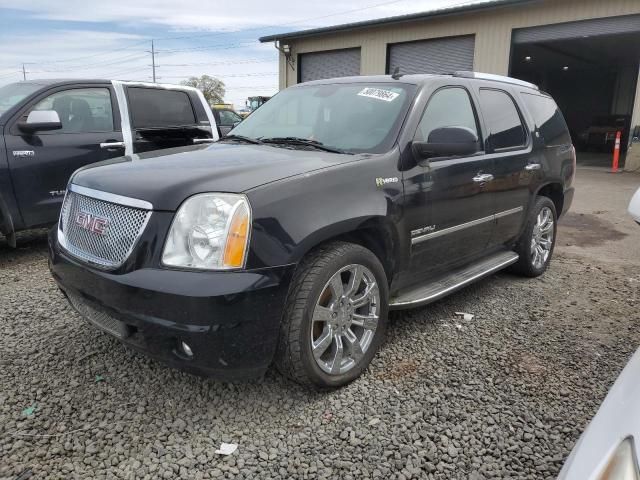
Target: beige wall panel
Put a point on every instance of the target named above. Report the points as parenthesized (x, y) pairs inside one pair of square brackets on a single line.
[(492, 29)]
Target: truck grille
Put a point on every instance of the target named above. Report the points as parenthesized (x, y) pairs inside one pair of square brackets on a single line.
[(99, 232)]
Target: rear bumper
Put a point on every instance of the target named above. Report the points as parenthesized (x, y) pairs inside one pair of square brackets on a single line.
[(230, 320)]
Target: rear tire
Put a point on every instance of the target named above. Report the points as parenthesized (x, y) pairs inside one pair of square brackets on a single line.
[(335, 317), (535, 245)]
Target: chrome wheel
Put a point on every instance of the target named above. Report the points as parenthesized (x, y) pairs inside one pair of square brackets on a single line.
[(345, 319), (542, 238)]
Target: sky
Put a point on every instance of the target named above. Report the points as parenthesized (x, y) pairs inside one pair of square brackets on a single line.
[(112, 38)]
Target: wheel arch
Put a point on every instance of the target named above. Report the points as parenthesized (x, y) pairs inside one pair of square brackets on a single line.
[(7, 227), (555, 192), (376, 234)]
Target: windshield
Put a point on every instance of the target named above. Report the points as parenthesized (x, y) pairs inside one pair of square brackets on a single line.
[(14, 92), (353, 117)]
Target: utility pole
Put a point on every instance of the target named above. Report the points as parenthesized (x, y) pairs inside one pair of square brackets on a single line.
[(153, 61), (24, 73)]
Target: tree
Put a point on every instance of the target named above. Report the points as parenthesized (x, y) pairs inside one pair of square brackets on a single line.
[(212, 88)]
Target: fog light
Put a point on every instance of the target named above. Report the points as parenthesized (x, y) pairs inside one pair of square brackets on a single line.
[(186, 349)]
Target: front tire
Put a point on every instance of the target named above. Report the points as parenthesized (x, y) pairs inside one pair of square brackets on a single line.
[(335, 317), (537, 242)]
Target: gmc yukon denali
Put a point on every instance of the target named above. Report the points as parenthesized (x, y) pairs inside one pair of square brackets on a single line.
[(50, 128), (289, 240)]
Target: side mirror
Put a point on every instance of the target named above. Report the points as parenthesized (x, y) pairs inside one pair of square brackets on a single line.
[(447, 142), (40, 120)]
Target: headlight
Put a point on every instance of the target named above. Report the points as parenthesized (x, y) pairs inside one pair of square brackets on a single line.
[(623, 464), (210, 232)]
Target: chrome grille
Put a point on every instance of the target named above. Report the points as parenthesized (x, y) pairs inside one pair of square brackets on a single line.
[(111, 246)]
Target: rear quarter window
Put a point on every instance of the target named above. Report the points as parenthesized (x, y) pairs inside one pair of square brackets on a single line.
[(548, 118), (158, 108)]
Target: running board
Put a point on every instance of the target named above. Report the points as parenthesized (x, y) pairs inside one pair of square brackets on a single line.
[(419, 295)]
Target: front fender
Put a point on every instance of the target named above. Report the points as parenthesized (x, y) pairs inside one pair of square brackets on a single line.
[(294, 215)]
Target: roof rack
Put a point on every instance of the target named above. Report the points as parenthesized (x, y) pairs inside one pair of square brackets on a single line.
[(495, 78)]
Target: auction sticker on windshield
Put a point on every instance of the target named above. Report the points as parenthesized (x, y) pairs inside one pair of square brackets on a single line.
[(386, 95)]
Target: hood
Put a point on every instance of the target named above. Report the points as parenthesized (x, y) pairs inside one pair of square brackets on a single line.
[(166, 177)]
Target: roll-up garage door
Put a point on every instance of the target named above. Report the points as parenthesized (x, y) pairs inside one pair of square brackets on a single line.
[(438, 55), (329, 64), (583, 28)]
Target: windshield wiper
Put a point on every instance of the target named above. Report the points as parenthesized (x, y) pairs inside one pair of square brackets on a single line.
[(242, 138), (302, 141)]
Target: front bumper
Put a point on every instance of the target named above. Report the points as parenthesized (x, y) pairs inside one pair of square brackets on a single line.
[(230, 320)]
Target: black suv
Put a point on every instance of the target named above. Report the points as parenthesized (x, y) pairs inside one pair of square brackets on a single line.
[(290, 240)]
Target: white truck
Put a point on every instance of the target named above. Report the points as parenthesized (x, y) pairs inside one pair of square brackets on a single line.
[(50, 128)]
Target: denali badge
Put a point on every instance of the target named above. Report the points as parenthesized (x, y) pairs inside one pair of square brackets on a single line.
[(92, 223), (23, 153), (380, 182)]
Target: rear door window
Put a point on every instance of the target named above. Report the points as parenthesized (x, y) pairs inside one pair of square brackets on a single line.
[(548, 119), (505, 128), (159, 108)]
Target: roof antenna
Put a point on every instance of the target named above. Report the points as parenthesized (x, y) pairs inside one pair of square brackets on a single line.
[(396, 73)]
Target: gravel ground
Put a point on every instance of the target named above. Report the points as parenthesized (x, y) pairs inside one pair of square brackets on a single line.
[(504, 395)]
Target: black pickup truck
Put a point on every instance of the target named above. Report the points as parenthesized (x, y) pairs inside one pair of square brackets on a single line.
[(50, 128), (289, 240)]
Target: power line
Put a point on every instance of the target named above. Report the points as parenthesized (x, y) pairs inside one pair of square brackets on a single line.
[(229, 75), (88, 56), (222, 46), (128, 58), (230, 62)]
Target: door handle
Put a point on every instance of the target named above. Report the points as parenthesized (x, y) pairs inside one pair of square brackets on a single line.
[(483, 178), (533, 166), (203, 140), (112, 145)]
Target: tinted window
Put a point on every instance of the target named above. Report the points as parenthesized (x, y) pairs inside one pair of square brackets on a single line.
[(157, 108), (80, 110), (548, 118), (450, 107), (228, 117), (355, 117), (503, 121)]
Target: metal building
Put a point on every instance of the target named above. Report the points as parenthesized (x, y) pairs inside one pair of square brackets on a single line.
[(586, 53)]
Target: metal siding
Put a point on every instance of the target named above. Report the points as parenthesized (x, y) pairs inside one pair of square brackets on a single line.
[(440, 55), (331, 64), (492, 31), (595, 27)]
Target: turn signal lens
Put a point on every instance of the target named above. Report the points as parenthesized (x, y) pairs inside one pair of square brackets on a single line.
[(235, 248)]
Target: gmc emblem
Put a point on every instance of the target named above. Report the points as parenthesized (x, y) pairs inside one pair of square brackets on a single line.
[(92, 223)]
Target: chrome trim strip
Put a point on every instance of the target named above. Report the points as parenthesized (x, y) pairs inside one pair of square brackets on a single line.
[(111, 197), (438, 295), (508, 212), (455, 228), (462, 226), (125, 121)]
